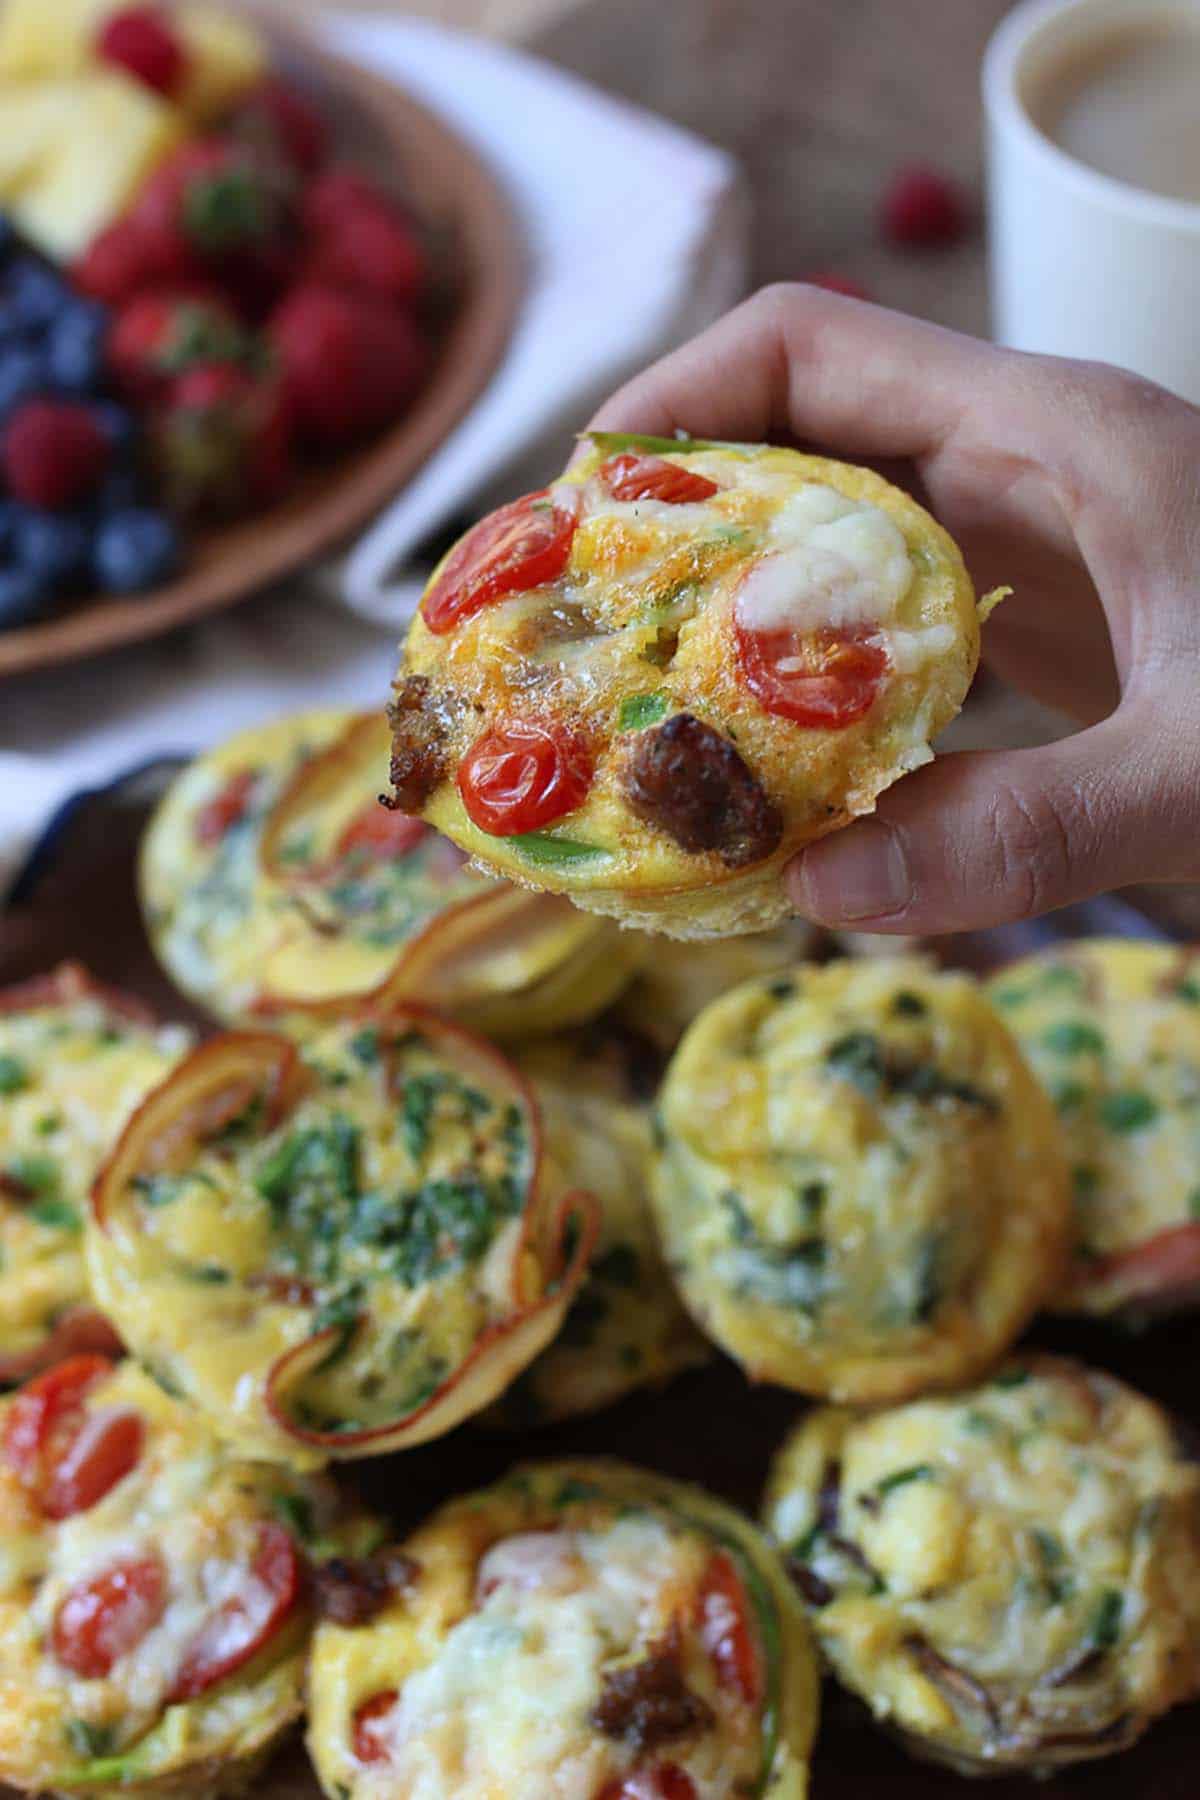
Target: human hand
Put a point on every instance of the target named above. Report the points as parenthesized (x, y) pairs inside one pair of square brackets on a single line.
[(1077, 484)]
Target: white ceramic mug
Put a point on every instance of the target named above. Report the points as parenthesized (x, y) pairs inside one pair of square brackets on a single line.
[(1082, 264)]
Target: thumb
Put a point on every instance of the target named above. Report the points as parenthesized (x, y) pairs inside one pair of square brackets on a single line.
[(983, 838)]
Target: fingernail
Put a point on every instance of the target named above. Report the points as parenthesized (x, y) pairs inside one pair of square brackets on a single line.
[(852, 875)]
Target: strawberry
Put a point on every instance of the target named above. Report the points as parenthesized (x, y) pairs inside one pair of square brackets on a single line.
[(277, 121), (223, 440), (163, 332), (128, 256), (350, 364), (922, 209), (142, 41), (55, 453), (360, 240)]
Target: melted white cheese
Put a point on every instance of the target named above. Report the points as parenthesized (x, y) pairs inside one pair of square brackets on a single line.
[(836, 563)]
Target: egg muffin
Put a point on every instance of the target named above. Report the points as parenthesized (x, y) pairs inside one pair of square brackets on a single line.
[(1011, 1576), (859, 1185), (1112, 1027), (626, 1328), (75, 1060), (650, 684), (676, 981), (579, 1628), (340, 1250), (154, 1619), (276, 886)]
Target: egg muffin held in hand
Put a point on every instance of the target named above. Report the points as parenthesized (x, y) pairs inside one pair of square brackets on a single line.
[(649, 685), (277, 887), (626, 1328), (154, 1594), (343, 1250), (585, 1629), (1112, 1027), (858, 1185), (75, 1060), (1009, 1577)]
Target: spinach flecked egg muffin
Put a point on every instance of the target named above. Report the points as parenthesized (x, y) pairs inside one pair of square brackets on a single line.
[(1010, 1577), (154, 1613), (626, 1328), (275, 885), (75, 1060), (650, 684), (587, 1630), (859, 1186), (343, 1250), (1112, 1027)]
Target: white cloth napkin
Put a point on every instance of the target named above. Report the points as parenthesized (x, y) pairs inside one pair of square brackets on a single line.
[(637, 237)]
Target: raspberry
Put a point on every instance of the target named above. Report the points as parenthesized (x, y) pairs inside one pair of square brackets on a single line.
[(834, 282), (55, 452), (141, 41), (923, 209)]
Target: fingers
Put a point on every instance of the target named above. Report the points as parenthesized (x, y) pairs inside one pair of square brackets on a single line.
[(985, 838), (799, 362)]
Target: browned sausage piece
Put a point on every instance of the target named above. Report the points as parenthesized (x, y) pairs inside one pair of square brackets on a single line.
[(354, 1590), (688, 781), (649, 1703), (418, 744)]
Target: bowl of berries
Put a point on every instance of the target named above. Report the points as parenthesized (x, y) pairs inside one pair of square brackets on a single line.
[(245, 290)]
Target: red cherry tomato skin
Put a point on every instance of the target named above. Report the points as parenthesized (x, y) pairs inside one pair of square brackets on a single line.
[(380, 835), (106, 1448), (724, 1629), (824, 680), (667, 1781), (226, 808), (102, 1621), (630, 477), (522, 776), (44, 1424), (368, 1742), (524, 545), (1164, 1270), (238, 1630)]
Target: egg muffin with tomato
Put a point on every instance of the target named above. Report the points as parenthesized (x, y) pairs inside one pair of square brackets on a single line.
[(649, 685), (859, 1186), (579, 1628), (75, 1060), (1112, 1027), (154, 1610), (626, 1328), (1009, 1577), (676, 981), (342, 1250), (276, 885)]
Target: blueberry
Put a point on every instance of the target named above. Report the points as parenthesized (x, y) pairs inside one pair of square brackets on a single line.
[(119, 423), (21, 598), (10, 512), (53, 548), (135, 550), (120, 491), (33, 294), (23, 374), (75, 348), (8, 237)]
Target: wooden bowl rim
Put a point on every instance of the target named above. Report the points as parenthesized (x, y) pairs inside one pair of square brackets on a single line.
[(236, 562)]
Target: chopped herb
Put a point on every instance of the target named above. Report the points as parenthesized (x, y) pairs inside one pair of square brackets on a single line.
[(163, 1190), (48, 1124), (639, 710), (909, 1006), (545, 850), (14, 1076), (812, 1198), (1189, 990), (420, 1093), (781, 990), (205, 1274), (1086, 1180), (90, 1741), (1106, 1620), (927, 1277), (56, 1214), (978, 1422), (1011, 1378), (311, 1168), (1067, 1096), (39, 1174), (296, 1512), (902, 1478), (611, 441), (341, 1314), (1128, 1110), (617, 1266), (1072, 1037), (858, 1058), (741, 1225), (365, 1046), (443, 1223), (572, 1491)]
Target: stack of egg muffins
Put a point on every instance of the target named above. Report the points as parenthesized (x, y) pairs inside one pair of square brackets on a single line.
[(462, 1157)]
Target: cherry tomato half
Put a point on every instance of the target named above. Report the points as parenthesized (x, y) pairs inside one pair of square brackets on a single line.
[(521, 776), (49, 1408), (630, 477), (369, 1742), (70, 1458), (724, 1628), (824, 679), (1164, 1269), (102, 1621), (666, 1781), (106, 1448), (227, 808), (524, 545), (239, 1628), (381, 835)]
